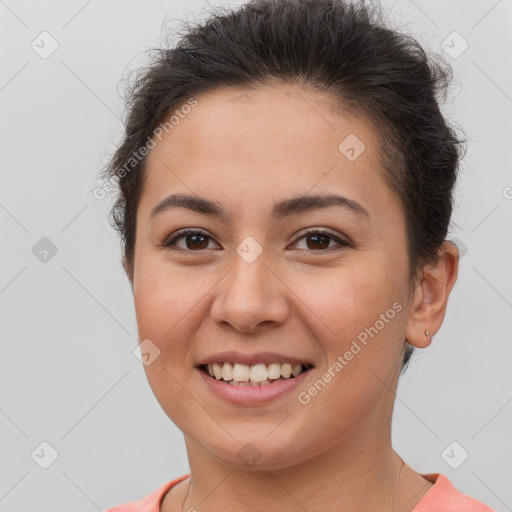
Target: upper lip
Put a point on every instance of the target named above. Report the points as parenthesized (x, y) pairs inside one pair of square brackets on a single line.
[(251, 359)]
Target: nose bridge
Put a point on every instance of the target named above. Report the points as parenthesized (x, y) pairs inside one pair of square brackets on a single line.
[(249, 279), (250, 294)]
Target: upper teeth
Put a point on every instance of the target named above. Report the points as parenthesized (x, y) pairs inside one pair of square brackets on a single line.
[(257, 373)]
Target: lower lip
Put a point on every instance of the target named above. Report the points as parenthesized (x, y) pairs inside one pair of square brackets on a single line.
[(246, 395)]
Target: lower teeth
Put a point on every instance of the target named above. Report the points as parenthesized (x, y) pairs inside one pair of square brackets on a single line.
[(253, 384)]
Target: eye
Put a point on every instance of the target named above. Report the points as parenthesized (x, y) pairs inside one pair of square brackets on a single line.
[(197, 241), (194, 240), (319, 239)]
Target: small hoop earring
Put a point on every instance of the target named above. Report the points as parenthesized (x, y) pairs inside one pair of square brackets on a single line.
[(428, 335)]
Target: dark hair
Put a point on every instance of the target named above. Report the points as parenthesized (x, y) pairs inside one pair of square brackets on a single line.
[(342, 49)]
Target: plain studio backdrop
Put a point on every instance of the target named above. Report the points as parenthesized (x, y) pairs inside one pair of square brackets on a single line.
[(79, 426)]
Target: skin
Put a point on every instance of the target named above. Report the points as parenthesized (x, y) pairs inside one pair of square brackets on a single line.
[(247, 150)]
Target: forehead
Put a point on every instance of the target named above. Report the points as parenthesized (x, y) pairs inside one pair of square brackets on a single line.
[(265, 142), (265, 123)]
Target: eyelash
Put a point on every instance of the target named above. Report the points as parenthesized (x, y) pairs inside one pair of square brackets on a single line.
[(184, 233)]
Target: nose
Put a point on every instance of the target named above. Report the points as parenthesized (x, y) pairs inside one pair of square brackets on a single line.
[(251, 295)]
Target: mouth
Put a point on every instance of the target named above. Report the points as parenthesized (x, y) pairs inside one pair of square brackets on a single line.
[(236, 374)]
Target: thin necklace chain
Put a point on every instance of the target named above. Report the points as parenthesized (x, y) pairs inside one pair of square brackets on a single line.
[(396, 485), (393, 497)]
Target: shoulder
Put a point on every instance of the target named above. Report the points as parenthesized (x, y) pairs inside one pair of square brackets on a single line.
[(444, 497), (151, 503)]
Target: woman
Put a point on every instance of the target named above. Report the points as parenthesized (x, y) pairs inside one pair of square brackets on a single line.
[(286, 183)]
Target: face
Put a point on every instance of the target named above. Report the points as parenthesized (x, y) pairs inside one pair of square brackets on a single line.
[(269, 279)]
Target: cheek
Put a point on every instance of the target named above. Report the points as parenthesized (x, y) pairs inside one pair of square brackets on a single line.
[(357, 313), (171, 304), (356, 320), (168, 310), (164, 295), (347, 299), (167, 315)]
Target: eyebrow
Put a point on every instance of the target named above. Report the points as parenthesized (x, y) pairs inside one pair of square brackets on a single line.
[(282, 209)]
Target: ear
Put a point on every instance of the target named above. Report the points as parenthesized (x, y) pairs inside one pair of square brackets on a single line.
[(128, 268), (430, 296)]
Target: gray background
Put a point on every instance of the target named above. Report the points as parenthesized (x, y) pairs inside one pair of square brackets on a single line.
[(68, 375)]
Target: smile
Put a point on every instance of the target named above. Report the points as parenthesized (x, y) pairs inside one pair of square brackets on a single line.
[(256, 375)]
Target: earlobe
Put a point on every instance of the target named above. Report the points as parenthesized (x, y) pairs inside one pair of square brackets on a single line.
[(430, 299), (128, 270)]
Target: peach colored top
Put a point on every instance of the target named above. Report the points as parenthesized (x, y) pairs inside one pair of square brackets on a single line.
[(441, 497)]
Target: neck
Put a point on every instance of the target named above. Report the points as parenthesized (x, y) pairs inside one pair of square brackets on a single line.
[(352, 476), (361, 471)]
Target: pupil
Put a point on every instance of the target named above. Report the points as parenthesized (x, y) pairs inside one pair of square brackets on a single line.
[(317, 246), (195, 237)]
